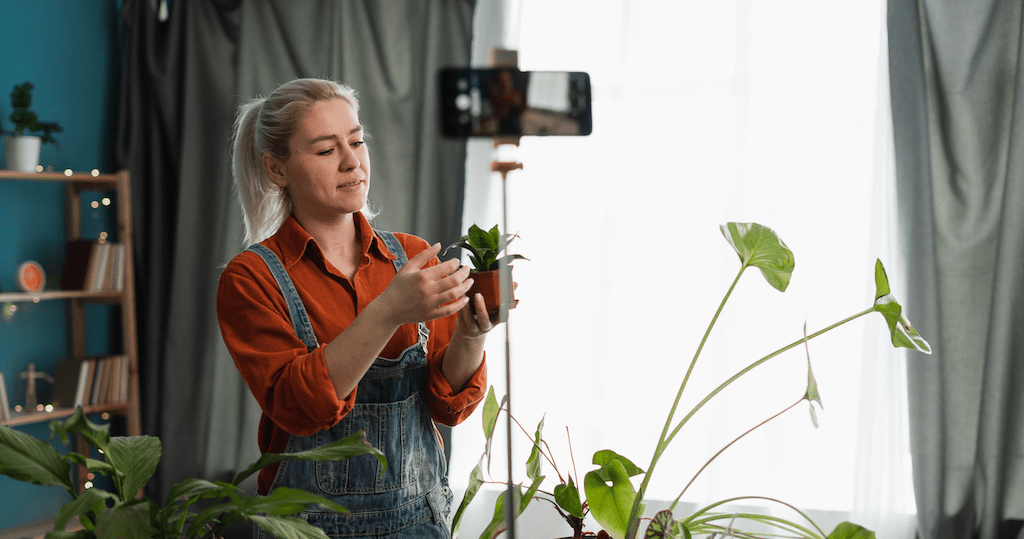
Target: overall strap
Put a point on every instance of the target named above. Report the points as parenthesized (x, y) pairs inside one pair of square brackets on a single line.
[(396, 249), (297, 311)]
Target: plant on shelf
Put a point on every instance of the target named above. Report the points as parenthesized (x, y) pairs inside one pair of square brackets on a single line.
[(129, 462), (609, 493), (485, 248), (23, 143)]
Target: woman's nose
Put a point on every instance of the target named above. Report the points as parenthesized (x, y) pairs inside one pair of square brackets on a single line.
[(349, 160)]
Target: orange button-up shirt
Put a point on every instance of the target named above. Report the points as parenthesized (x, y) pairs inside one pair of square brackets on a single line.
[(292, 385)]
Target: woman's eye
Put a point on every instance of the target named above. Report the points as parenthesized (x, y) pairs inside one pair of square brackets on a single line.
[(358, 143), (325, 152)]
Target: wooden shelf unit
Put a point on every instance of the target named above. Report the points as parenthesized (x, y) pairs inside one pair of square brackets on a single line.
[(75, 184)]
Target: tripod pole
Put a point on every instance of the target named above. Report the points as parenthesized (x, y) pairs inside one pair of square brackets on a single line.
[(504, 167)]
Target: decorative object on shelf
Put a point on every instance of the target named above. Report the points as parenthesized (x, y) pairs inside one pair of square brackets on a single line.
[(22, 145), (31, 277), (5, 407), (30, 376)]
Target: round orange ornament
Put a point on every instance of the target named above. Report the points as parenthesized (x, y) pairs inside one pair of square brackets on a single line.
[(31, 277)]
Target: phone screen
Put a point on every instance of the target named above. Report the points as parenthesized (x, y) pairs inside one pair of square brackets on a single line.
[(509, 102)]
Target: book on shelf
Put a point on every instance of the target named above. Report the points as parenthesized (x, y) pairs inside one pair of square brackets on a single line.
[(91, 381), (93, 266)]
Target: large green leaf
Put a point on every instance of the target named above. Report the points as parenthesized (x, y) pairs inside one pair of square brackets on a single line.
[(610, 504), (28, 459), (568, 498), (136, 457), (760, 247), (93, 465), (126, 521), (351, 446), (902, 333), (490, 413), (476, 480), (848, 530)]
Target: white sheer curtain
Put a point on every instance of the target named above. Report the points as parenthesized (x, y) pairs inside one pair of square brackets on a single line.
[(706, 112)]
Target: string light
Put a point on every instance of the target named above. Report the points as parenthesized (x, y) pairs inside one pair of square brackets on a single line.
[(106, 201), (67, 172), (95, 172)]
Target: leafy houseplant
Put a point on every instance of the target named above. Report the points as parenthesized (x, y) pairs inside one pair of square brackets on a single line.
[(129, 461), (485, 248), (608, 491), (23, 143)]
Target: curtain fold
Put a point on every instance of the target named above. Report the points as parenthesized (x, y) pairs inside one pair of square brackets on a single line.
[(184, 79), (957, 97)]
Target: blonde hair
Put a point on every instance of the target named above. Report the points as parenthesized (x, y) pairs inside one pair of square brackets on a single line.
[(265, 126)]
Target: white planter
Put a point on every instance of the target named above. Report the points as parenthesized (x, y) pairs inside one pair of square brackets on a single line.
[(22, 152)]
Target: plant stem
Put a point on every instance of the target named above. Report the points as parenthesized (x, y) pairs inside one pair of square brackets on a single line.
[(696, 515), (720, 451), (758, 363), (662, 441)]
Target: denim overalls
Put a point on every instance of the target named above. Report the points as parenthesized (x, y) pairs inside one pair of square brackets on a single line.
[(411, 498)]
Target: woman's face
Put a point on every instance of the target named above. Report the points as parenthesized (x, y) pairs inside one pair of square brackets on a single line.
[(328, 172)]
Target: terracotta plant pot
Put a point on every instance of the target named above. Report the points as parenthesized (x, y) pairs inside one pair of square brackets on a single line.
[(488, 283)]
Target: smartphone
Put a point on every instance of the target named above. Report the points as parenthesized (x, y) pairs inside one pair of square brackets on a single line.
[(504, 102)]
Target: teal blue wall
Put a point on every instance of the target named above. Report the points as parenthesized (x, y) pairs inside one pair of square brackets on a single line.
[(71, 51)]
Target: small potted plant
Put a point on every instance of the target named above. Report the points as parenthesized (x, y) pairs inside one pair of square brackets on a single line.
[(484, 248), (22, 145)]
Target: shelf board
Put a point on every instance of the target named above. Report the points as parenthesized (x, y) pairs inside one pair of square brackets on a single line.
[(106, 296), (105, 180), (30, 418)]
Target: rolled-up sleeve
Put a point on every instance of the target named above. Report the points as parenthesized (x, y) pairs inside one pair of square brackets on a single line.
[(291, 385)]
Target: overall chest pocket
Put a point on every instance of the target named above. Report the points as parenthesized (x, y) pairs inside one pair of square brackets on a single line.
[(389, 427)]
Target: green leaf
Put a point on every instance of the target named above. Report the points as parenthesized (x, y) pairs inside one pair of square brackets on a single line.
[(490, 413), (812, 394), (610, 504), (661, 526), (530, 492), (903, 334), (80, 534), (848, 530), (498, 523), (287, 527), (351, 446), (98, 436), (568, 498), (24, 458), (92, 500), (483, 240), (760, 247), (533, 464), (93, 465), (136, 457), (127, 521), (605, 456), (284, 501), (476, 480)]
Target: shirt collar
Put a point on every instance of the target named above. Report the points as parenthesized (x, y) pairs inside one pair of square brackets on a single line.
[(293, 241)]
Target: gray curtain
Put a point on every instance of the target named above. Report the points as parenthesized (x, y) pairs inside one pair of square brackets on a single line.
[(184, 79), (958, 115)]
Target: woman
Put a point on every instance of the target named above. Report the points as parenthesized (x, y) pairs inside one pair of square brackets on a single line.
[(336, 327)]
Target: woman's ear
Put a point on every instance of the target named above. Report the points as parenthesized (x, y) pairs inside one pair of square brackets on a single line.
[(274, 168)]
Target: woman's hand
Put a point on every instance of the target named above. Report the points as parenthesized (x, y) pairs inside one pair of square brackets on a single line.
[(475, 325), (419, 294)]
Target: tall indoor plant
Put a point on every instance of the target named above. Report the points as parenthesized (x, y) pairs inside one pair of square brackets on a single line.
[(22, 145), (194, 508), (608, 491)]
